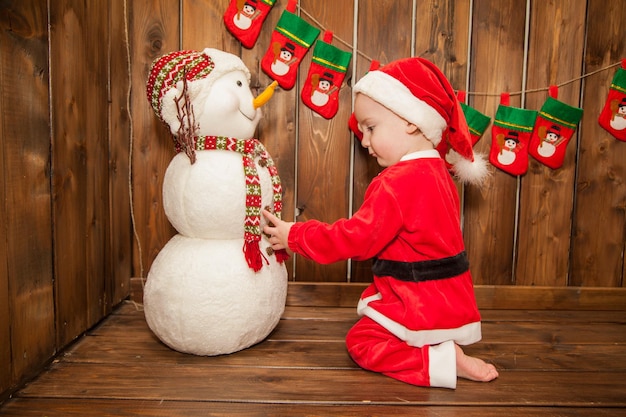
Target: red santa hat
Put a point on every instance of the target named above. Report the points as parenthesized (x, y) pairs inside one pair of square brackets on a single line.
[(416, 90)]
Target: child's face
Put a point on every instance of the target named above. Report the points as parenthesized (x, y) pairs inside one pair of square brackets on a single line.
[(387, 136)]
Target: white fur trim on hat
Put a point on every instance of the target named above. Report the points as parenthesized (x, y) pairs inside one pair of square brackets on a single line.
[(225, 62), (394, 95)]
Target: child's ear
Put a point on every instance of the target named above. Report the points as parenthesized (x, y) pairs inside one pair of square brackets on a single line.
[(411, 128)]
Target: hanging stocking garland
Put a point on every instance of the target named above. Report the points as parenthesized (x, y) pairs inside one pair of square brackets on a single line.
[(291, 40), (328, 69), (613, 115), (244, 19), (554, 127), (510, 135)]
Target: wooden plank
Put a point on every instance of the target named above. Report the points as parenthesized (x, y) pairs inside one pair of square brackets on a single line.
[(118, 268), (496, 66), (441, 36), (376, 42), (277, 129), (5, 319), (80, 164), (329, 386), (52, 407), (528, 355), (323, 152), (487, 296), (155, 32), (598, 226), (545, 221), (197, 34), (27, 312)]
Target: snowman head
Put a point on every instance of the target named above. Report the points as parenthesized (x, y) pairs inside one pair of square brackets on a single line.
[(218, 89)]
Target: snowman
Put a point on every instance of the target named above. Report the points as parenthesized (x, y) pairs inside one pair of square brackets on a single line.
[(216, 287), (321, 88), (549, 140), (283, 58), (509, 149), (246, 13), (618, 109)]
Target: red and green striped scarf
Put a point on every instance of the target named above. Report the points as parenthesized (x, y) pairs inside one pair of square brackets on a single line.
[(250, 149)]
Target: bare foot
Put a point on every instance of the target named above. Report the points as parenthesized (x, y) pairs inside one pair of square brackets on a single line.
[(472, 368)]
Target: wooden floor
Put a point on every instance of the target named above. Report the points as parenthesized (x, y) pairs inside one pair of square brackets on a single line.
[(551, 363)]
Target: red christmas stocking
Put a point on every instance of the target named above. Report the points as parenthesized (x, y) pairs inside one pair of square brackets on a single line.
[(554, 127), (510, 135), (291, 40), (613, 115), (244, 18), (328, 69)]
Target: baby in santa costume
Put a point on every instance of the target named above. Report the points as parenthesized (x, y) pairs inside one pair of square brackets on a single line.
[(420, 307)]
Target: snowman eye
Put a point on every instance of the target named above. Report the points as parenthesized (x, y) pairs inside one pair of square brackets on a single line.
[(239, 83)]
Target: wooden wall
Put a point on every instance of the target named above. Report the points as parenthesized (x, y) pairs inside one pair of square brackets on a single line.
[(544, 228), (74, 118), (65, 251)]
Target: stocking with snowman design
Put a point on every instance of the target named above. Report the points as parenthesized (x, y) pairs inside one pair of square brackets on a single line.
[(613, 115), (291, 40), (328, 69), (244, 19), (554, 127), (510, 135)]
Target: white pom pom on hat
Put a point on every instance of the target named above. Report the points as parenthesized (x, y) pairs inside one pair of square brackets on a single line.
[(416, 90)]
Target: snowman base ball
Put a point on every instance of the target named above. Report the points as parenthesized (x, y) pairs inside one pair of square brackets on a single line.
[(192, 311)]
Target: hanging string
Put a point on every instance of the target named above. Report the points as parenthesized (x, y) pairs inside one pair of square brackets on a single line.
[(536, 90), (335, 37), (474, 93), (131, 144)]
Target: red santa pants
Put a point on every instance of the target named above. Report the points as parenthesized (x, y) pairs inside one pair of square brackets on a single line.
[(374, 348)]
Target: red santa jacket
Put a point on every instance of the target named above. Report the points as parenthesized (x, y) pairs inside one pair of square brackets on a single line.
[(410, 219)]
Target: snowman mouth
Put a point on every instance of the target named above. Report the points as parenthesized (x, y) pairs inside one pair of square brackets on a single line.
[(249, 115)]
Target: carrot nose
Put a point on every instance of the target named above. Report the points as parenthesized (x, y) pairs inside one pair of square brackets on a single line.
[(265, 96)]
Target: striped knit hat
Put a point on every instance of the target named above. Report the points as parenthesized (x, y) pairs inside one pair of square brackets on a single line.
[(167, 70)]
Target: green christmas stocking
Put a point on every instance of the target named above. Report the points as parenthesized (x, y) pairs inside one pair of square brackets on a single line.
[(291, 40), (328, 69), (555, 125)]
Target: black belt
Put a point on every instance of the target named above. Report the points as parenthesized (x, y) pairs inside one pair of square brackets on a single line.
[(422, 270)]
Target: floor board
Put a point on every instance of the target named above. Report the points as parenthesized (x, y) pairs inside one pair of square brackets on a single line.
[(551, 363)]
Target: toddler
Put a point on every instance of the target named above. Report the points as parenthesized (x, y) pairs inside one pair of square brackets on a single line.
[(420, 307)]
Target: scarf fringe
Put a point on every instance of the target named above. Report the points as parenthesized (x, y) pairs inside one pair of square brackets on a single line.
[(253, 255)]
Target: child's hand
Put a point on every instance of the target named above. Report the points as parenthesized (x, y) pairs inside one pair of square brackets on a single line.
[(277, 230)]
